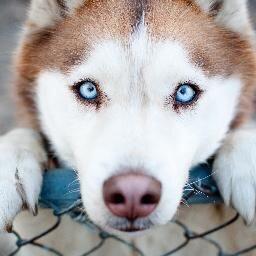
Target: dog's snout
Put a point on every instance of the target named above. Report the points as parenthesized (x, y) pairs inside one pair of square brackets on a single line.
[(132, 195)]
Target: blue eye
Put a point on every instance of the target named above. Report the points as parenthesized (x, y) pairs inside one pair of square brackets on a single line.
[(185, 94), (87, 90)]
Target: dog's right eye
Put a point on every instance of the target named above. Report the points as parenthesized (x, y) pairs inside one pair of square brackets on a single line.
[(87, 90)]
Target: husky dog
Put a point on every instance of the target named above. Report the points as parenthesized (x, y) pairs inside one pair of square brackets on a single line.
[(132, 94)]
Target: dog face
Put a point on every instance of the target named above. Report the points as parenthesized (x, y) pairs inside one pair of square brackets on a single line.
[(132, 96)]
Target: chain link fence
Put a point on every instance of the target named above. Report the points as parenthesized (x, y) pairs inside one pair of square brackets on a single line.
[(56, 195)]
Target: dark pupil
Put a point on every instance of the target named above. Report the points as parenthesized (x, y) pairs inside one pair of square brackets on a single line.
[(183, 90), (91, 88)]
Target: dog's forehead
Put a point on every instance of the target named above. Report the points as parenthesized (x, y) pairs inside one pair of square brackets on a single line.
[(73, 39)]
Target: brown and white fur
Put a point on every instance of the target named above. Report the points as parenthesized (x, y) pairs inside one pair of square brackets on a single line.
[(138, 52)]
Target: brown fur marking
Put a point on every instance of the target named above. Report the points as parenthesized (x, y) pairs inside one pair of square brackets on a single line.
[(215, 49)]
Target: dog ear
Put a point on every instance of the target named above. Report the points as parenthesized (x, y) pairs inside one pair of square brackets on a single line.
[(45, 13), (232, 14)]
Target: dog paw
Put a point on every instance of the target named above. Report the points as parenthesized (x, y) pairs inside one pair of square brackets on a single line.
[(234, 170), (21, 159)]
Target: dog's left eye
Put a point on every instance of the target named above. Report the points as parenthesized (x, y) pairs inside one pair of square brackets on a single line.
[(87, 90), (185, 94)]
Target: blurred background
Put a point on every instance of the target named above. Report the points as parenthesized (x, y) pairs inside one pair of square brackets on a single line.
[(12, 15)]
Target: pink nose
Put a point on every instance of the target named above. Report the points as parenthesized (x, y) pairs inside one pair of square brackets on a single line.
[(132, 195)]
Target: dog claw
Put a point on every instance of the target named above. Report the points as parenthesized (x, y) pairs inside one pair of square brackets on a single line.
[(22, 193), (20, 188), (25, 207), (35, 210), (21, 177), (9, 228)]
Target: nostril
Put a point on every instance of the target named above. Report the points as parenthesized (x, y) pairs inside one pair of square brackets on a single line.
[(150, 199), (131, 195), (117, 198)]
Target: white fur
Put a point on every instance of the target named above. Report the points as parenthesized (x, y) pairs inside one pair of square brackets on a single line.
[(73, 4), (136, 129), (45, 13), (20, 154), (233, 15), (235, 171)]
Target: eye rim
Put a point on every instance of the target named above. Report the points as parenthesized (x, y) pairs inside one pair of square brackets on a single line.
[(77, 86), (177, 104), (95, 103)]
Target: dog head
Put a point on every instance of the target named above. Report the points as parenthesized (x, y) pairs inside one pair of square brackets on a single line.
[(132, 94)]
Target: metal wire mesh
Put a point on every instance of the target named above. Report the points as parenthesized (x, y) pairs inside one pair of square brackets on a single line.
[(200, 189)]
